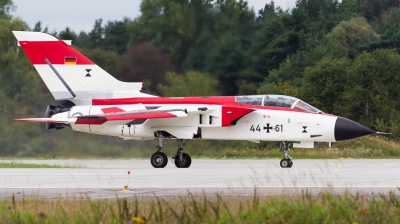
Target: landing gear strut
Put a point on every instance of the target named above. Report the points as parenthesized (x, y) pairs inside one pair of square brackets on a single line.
[(159, 159), (181, 159), (286, 162)]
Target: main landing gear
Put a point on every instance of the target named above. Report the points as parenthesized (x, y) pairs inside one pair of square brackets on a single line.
[(181, 159), (160, 160), (286, 162)]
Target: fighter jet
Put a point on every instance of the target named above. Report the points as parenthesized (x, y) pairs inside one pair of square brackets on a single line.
[(91, 100)]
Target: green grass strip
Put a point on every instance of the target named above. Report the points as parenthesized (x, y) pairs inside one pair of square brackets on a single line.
[(24, 165)]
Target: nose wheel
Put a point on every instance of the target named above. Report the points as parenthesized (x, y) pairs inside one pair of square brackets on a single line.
[(286, 162)]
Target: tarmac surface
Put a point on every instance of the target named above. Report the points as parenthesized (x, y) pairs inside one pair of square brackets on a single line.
[(105, 179)]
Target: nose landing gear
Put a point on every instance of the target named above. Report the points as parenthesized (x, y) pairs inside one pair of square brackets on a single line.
[(286, 162)]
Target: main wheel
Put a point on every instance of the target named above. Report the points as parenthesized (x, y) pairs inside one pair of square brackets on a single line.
[(159, 160), (185, 163), (286, 163)]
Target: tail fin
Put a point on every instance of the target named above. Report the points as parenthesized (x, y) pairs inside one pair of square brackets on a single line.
[(68, 74)]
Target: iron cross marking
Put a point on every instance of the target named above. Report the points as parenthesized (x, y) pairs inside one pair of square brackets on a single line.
[(268, 128), (304, 127), (88, 74)]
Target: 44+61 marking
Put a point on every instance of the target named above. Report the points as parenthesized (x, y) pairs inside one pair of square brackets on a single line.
[(268, 128)]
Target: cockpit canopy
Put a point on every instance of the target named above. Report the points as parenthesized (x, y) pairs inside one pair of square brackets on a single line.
[(277, 101)]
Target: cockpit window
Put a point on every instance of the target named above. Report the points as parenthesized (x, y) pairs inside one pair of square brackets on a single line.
[(277, 101), (253, 100)]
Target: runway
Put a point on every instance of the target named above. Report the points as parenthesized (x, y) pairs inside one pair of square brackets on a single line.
[(106, 178)]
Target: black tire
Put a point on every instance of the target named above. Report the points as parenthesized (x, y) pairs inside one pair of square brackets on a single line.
[(185, 163), (286, 163), (159, 160)]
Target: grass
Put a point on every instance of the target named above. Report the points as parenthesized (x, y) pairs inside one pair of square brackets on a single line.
[(365, 147), (27, 165), (305, 208)]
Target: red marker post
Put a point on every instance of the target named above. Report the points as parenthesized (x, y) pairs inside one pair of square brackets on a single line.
[(129, 182), (129, 177)]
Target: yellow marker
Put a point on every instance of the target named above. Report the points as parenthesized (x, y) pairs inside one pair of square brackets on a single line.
[(125, 188), (337, 164), (364, 212), (139, 220)]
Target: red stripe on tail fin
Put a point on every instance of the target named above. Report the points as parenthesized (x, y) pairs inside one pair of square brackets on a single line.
[(55, 51)]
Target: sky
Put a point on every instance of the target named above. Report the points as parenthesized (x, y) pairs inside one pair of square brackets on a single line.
[(81, 14)]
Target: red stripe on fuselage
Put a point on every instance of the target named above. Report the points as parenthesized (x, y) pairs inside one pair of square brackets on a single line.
[(212, 100), (215, 100), (54, 51), (128, 118), (229, 114), (140, 116)]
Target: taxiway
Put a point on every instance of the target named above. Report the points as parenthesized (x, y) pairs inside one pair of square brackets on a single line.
[(106, 178)]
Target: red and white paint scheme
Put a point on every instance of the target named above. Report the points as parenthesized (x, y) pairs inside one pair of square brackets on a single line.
[(91, 100)]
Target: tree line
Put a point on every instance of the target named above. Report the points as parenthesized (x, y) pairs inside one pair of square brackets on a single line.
[(342, 57)]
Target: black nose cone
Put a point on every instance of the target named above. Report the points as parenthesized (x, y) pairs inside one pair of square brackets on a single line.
[(346, 129)]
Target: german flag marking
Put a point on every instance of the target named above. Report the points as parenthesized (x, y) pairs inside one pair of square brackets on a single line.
[(70, 60)]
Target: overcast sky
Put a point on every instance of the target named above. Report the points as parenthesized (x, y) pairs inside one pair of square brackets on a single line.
[(81, 14)]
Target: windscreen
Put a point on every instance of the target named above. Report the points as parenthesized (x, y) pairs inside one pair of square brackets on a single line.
[(300, 105), (277, 101)]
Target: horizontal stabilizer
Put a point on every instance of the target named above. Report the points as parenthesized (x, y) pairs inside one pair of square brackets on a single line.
[(48, 120), (118, 118)]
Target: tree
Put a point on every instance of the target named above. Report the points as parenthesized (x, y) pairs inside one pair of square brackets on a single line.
[(282, 88), (268, 9), (6, 7), (373, 9), (353, 33), (348, 9), (188, 85), (67, 34), (324, 84), (372, 92), (169, 24), (116, 36), (390, 38), (97, 33), (110, 61), (292, 69), (224, 61), (146, 62), (273, 42), (38, 28), (83, 41)]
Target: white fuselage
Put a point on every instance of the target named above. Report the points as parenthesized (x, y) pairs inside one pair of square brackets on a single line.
[(259, 125)]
